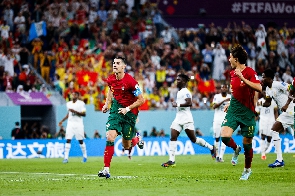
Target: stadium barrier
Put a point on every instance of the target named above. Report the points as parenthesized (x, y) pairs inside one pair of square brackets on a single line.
[(23, 149)]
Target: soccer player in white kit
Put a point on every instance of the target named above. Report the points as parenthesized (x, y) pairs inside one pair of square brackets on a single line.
[(267, 117), (75, 127), (279, 91), (219, 102), (184, 120)]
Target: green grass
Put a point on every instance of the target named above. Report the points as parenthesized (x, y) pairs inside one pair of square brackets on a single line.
[(193, 175)]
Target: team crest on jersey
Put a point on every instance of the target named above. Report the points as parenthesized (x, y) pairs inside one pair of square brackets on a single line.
[(224, 121)]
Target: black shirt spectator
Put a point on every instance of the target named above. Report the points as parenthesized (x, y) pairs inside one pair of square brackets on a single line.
[(17, 132)]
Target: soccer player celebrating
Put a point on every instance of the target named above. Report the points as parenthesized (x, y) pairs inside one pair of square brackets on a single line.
[(279, 91), (75, 127), (219, 102), (267, 116), (241, 110), (184, 120), (125, 97)]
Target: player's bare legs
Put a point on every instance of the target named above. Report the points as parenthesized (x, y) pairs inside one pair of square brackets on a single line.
[(226, 138), (201, 142)]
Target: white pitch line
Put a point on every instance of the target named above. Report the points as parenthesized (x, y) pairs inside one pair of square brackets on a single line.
[(88, 175)]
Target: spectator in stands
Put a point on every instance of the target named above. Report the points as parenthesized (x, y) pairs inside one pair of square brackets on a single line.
[(17, 132), (154, 132), (218, 63), (61, 134), (96, 135)]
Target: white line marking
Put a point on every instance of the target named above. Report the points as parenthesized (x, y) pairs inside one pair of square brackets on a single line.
[(86, 175)]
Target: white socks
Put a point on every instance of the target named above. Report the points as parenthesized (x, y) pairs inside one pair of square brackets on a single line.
[(172, 149), (83, 148), (267, 145), (262, 147), (277, 143), (67, 150), (222, 150), (203, 143), (216, 144)]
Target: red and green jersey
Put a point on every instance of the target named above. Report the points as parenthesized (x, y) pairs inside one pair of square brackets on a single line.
[(125, 91), (242, 92)]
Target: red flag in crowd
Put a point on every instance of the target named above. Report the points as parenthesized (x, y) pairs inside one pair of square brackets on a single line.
[(86, 76), (206, 86)]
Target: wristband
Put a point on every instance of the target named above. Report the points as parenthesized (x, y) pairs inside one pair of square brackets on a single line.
[(127, 109), (178, 104)]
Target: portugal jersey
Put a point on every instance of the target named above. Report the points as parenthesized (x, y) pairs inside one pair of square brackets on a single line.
[(242, 92), (125, 91)]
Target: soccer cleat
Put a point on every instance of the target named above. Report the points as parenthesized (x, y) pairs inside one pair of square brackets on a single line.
[(65, 161), (263, 157), (169, 164), (234, 159), (84, 160), (140, 143), (245, 175), (104, 173), (277, 164), (213, 153), (220, 160)]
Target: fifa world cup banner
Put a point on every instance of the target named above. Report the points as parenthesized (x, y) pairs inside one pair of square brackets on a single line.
[(53, 148), (33, 98), (188, 13), (272, 8)]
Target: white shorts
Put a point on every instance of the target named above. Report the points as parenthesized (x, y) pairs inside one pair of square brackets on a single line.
[(75, 130), (216, 129), (179, 127), (265, 128), (287, 119)]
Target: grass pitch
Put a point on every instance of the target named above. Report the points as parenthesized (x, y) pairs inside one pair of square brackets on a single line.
[(193, 175)]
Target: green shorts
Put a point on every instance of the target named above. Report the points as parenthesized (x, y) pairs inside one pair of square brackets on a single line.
[(123, 124), (240, 115)]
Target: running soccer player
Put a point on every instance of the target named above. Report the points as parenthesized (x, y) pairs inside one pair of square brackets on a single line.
[(125, 97), (219, 102), (75, 127), (267, 116), (279, 92), (241, 110), (184, 120)]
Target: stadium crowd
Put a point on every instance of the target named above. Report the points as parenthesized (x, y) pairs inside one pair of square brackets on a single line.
[(83, 36)]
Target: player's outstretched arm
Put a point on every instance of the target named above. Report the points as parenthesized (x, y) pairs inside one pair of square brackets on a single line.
[(108, 102), (65, 118), (137, 103), (255, 86)]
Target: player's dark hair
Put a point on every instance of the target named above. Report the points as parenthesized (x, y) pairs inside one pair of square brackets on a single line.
[(240, 53), (183, 76), (269, 73), (77, 93), (122, 58)]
